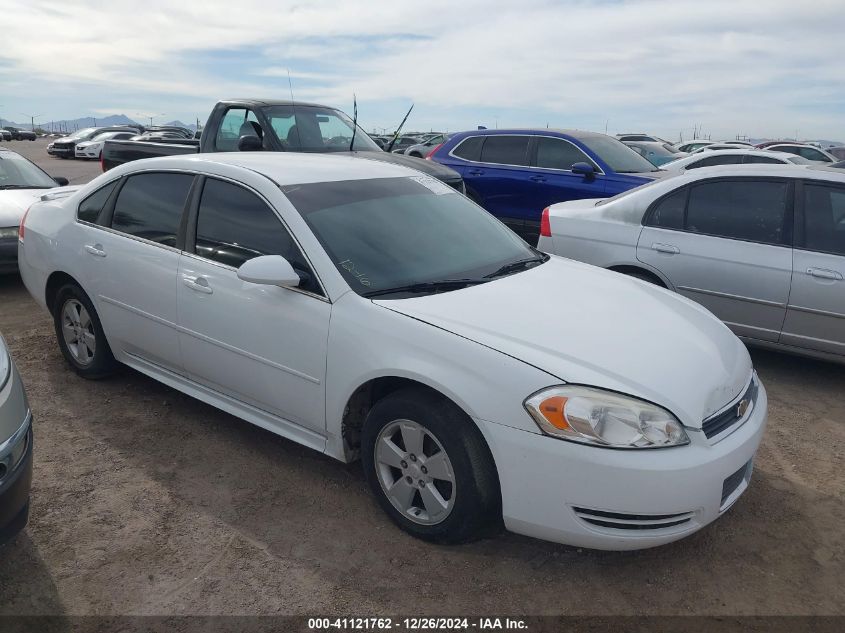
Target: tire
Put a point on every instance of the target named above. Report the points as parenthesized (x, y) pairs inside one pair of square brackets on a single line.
[(71, 300), (430, 507), (644, 277)]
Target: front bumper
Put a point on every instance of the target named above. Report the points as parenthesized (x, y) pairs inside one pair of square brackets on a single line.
[(87, 153), (621, 499), (67, 152), (15, 457), (8, 255)]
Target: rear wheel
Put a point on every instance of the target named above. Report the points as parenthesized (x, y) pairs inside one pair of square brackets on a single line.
[(429, 468), (80, 334)]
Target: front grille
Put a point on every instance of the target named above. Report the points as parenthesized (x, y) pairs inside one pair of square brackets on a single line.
[(732, 483), (723, 421), (625, 521)]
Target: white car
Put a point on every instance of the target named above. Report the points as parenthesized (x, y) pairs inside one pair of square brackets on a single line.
[(732, 157), (93, 148), (814, 154), (692, 145), (366, 310), (717, 146), (760, 246), (21, 183)]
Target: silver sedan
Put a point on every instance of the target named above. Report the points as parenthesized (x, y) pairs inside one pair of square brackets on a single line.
[(760, 246)]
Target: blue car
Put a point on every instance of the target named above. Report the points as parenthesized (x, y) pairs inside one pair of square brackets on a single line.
[(515, 174)]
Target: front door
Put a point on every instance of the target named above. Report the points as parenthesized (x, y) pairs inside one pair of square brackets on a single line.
[(727, 245), (815, 318), (263, 345)]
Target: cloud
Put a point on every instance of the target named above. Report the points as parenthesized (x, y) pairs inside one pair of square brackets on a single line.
[(735, 66)]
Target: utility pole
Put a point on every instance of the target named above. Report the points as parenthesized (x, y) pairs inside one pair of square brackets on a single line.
[(32, 118)]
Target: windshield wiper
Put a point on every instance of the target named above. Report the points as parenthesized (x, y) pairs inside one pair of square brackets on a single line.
[(426, 286), (517, 265)]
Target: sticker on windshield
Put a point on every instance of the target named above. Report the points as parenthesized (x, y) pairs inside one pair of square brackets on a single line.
[(432, 184)]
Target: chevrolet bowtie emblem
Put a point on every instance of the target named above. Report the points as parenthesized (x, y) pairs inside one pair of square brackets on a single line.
[(742, 407)]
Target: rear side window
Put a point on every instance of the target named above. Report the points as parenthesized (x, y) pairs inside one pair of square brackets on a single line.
[(745, 210), (234, 225), (669, 212), (753, 158), (812, 154), (469, 148), (89, 209), (824, 219), (505, 150), (712, 161), (237, 122), (555, 153), (150, 206)]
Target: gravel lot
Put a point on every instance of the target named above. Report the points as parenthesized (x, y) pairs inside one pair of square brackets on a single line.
[(146, 501)]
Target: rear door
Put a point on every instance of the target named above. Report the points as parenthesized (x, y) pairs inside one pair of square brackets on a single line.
[(502, 180), (726, 244), (815, 318), (131, 260)]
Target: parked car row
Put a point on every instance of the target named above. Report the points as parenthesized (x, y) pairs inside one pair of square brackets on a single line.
[(18, 134)]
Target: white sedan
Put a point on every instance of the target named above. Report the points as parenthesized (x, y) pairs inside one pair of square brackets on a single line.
[(93, 148), (732, 157), (21, 183), (813, 154), (368, 311)]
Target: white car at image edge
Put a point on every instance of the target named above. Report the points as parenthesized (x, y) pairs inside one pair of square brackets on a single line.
[(495, 384)]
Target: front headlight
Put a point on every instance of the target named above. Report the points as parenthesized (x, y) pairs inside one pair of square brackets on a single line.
[(604, 418), (9, 232)]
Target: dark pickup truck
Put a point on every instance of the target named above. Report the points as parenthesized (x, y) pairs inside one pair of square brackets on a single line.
[(274, 126)]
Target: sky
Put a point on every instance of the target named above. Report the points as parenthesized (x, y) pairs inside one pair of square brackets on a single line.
[(762, 68)]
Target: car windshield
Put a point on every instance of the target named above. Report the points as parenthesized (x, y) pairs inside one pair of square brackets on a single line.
[(83, 133), (618, 156), (315, 129), (102, 136), (389, 234), (16, 172)]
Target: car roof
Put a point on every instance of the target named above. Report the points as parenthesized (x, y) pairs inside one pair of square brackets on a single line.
[(578, 134), (284, 168), (274, 102), (784, 170)]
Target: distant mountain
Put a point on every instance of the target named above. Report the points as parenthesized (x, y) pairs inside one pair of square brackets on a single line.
[(69, 125)]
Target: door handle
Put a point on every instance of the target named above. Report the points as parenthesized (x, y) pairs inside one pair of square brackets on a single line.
[(665, 248), (824, 273), (538, 178), (95, 249), (476, 172), (200, 284)]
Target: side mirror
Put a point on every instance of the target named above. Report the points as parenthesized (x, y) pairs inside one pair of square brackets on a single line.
[(62, 182), (269, 270), (584, 169), (249, 143)]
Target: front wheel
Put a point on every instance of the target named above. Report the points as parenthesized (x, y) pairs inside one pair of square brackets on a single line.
[(429, 468), (80, 334)]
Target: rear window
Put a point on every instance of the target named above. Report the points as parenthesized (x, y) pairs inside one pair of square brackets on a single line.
[(469, 148), (89, 209)]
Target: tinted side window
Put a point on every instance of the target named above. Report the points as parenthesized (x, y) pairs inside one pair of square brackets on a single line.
[(555, 153), (505, 150), (150, 206), (90, 208), (812, 154), (236, 122), (710, 161), (469, 148), (824, 219), (234, 225), (751, 158), (669, 212), (745, 210), (788, 150)]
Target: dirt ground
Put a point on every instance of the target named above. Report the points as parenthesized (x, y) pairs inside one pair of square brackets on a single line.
[(146, 501)]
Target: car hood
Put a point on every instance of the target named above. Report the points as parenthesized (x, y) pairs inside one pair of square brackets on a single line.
[(15, 202), (436, 170), (586, 325)]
